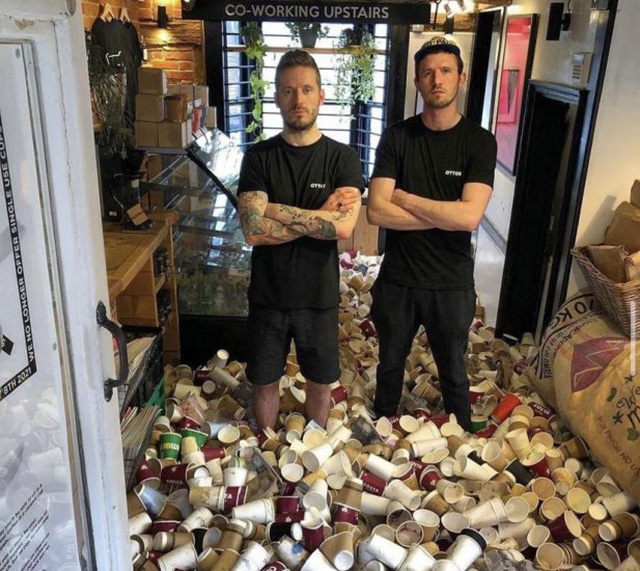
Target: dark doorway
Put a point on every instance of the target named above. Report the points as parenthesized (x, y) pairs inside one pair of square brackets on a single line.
[(484, 67), (550, 147)]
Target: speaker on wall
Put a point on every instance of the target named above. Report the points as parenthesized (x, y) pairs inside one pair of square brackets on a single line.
[(554, 25)]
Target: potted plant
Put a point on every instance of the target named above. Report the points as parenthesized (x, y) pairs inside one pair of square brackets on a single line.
[(255, 49), (108, 98), (355, 66), (307, 32)]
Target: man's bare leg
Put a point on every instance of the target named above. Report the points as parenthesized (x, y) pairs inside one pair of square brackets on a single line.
[(266, 403), (318, 402)]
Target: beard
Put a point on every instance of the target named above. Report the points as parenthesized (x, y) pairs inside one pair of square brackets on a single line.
[(434, 103), (300, 123)]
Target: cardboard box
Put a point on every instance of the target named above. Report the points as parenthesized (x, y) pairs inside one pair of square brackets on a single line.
[(146, 134), (176, 108), (624, 229), (152, 80), (201, 93), (173, 135), (635, 193), (211, 118), (150, 107)]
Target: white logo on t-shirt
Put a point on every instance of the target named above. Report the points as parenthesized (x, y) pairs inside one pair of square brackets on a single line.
[(317, 185), (453, 173)]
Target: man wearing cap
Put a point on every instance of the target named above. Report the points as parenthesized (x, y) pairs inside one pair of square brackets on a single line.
[(431, 184)]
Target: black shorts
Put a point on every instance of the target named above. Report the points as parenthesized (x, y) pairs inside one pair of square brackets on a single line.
[(314, 332)]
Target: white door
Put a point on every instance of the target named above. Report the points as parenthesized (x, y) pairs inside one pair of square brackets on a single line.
[(62, 502)]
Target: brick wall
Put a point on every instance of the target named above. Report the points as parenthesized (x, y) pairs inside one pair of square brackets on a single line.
[(179, 48)]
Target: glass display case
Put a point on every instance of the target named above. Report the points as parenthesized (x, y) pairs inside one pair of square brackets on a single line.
[(212, 260)]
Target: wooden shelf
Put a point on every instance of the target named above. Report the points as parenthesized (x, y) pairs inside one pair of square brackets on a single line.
[(133, 285)]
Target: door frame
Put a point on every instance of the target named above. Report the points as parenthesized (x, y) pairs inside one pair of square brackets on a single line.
[(54, 31)]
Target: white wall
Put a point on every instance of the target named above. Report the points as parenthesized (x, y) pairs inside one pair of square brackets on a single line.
[(552, 62), (615, 155)]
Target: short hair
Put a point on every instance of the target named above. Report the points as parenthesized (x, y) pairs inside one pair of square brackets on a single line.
[(438, 45), (297, 58)]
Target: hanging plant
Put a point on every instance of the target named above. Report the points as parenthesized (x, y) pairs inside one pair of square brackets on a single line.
[(256, 50), (355, 66), (307, 32), (108, 95)]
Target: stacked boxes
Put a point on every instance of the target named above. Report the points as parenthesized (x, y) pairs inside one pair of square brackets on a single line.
[(166, 116)]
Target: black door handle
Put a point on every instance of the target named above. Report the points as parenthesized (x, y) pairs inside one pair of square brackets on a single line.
[(111, 327)]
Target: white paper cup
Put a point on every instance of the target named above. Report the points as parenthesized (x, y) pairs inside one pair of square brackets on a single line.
[(618, 503), (515, 530), (549, 557), (469, 470), (427, 431), (316, 496), (517, 509), (380, 467), (385, 551), (258, 511), (538, 535), (487, 514), (139, 524), (317, 562), (183, 557), (418, 558), (578, 500), (465, 550), (450, 491), (454, 522), (316, 457), (254, 557), (371, 504), (338, 464), (396, 490), (235, 476)]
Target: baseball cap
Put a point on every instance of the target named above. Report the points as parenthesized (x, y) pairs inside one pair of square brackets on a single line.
[(436, 44)]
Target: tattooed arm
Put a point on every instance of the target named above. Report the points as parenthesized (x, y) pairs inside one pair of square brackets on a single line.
[(319, 224), (259, 230)]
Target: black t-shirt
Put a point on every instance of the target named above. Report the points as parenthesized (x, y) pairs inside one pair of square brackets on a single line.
[(436, 165), (303, 273)]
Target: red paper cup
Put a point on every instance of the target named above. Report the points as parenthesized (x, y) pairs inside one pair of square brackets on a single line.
[(175, 475), (165, 525), (153, 556), (339, 394), (565, 527), (439, 419), (421, 413), (288, 488), (234, 496), (372, 484), (144, 472), (211, 453), (188, 422), (367, 328), (312, 538), (294, 517), (418, 465), (475, 396), (487, 432), (394, 420), (287, 504), (346, 514), (429, 478), (540, 468), (275, 566), (505, 407), (543, 411), (200, 376)]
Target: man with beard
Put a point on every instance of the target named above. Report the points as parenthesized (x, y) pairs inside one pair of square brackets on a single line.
[(299, 192), (431, 184)]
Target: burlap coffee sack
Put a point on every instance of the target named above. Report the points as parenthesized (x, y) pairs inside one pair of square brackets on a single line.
[(585, 368)]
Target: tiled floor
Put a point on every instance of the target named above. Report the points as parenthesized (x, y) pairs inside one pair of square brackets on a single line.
[(488, 274)]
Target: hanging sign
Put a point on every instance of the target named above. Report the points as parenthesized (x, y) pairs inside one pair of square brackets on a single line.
[(329, 12)]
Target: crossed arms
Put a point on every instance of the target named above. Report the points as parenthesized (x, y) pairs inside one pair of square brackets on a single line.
[(267, 224), (394, 208)]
